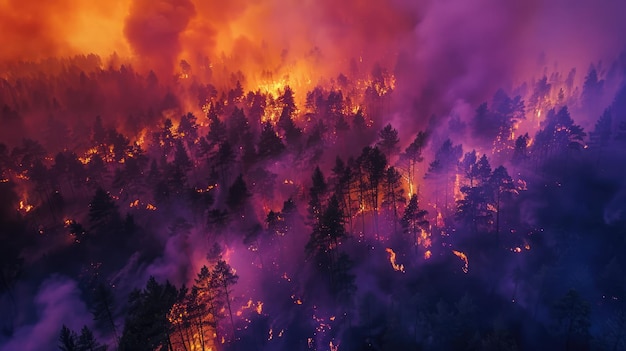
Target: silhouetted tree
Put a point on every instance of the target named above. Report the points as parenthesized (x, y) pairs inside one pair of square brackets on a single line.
[(388, 141), (443, 168), (394, 194), (317, 193), (237, 194), (572, 315), (147, 326), (223, 277), (270, 144), (412, 155), (414, 219)]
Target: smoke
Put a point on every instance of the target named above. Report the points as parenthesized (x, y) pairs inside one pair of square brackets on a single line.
[(58, 302), (34, 30), (153, 29)]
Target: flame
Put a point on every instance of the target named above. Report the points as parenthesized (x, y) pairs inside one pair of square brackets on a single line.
[(151, 207), (25, 206), (134, 203), (439, 221), (207, 189), (457, 188), (463, 257), (392, 260), (428, 254), (424, 239)]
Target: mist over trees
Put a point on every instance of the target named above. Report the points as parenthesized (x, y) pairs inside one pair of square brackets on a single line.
[(308, 220)]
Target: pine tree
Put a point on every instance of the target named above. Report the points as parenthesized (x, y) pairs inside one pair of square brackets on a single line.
[(270, 144), (237, 194), (224, 277), (87, 342), (388, 141), (414, 219), (67, 339)]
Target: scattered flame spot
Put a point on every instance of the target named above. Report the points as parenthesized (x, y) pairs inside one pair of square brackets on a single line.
[(463, 257), (392, 260)]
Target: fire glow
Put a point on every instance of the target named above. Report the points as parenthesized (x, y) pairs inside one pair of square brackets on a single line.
[(392, 259)]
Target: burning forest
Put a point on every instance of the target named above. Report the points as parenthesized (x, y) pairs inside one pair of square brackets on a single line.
[(287, 175)]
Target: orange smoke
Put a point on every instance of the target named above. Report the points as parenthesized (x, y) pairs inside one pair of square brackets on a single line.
[(34, 30), (153, 29)]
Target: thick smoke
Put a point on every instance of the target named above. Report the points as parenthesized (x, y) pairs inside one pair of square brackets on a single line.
[(34, 30), (153, 29), (57, 303)]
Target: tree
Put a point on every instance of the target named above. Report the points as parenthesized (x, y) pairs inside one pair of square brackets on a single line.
[(443, 167), (102, 308), (181, 158), (473, 208), (414, 219), (559, 134), (147, 327), (501, 184), (316, 195), (223, 159), (358, 121), (103, 213), (388, 141), (87, 342), (520, 153), (70, 341), (412, 155), (188, 129), (344, 181), (394, 194), (373, 163), (324, 241), (217, 128), (600, 137), (572, 315), (98, 132), (67, 339), (224, 277), (270, 144), (208, 298), (237, 194), (291, 131), (238, 126)]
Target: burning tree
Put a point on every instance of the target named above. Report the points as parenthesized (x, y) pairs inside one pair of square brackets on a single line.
[(414, 220)]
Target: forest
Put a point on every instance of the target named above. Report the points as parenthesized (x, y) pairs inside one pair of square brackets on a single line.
[(266, 224), (180, 175)]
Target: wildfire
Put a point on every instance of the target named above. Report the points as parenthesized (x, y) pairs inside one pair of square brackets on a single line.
[(296, 300), (424, 239), (463, 257), (25, 207), (428, 254), (392, 260), (207, 189), (439, 221), (151, 207)]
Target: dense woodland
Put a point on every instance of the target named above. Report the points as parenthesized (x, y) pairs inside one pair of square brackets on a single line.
[(308, 220)]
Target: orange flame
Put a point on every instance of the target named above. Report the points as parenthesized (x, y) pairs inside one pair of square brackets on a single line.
[(392, 260), (463, 257)]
